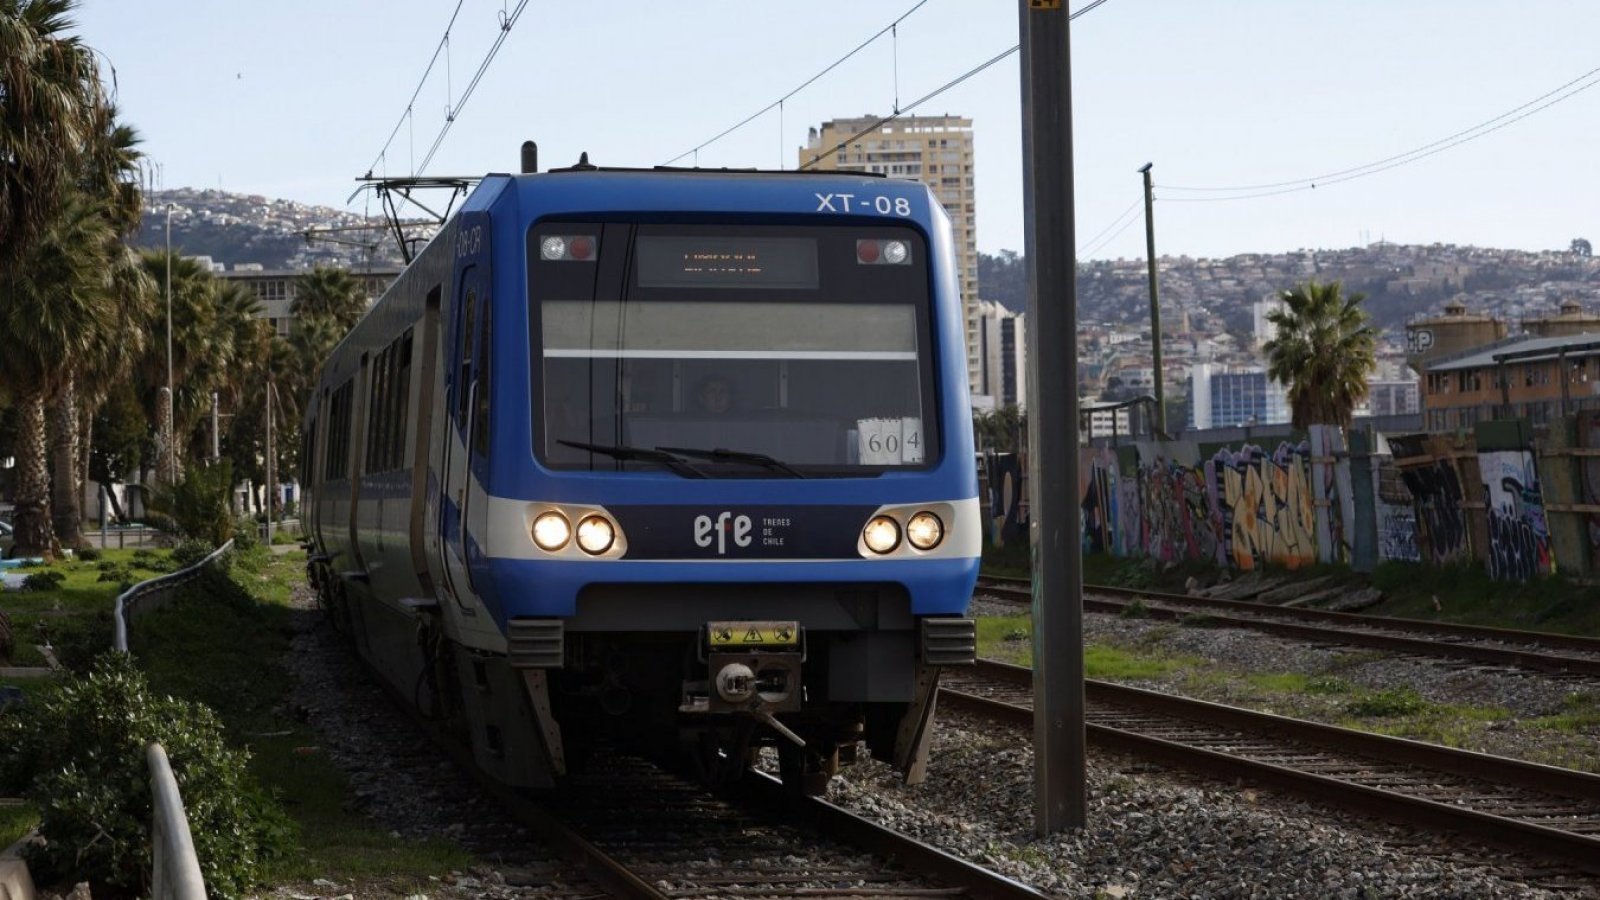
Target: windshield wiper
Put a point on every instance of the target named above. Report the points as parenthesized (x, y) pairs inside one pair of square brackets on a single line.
[(723, 455), (682, 467)]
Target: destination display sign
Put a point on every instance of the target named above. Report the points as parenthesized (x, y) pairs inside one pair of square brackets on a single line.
[(727, 262)]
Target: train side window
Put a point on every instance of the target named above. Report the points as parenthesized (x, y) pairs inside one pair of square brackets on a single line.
[(402, 404), (375, 409), (337, 463), (480, 413), (468, 324)]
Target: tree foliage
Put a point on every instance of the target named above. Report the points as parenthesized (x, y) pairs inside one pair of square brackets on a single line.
[(78, 753), (1324, 353)]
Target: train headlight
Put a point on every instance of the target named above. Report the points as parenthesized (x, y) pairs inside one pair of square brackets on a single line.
[(881, 535), (551, 531), (596, 534), (924, 531), (553, 247), (895, 252)]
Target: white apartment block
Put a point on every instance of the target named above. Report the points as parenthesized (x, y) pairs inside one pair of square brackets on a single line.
[(935, 150)]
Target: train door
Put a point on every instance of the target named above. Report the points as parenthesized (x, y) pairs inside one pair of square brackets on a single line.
[(462, 399)]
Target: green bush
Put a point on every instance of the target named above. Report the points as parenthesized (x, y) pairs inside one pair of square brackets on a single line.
[(80, 640), (47, 580), (189, 552), (88, 554), (197, 507), (78, 753)]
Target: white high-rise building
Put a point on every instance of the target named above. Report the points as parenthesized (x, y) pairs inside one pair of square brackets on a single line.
[(1002, 356), (935, 150)]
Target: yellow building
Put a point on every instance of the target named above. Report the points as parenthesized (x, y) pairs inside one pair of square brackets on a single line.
[(935, 150)]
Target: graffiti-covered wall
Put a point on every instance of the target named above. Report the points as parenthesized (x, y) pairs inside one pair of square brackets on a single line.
[(1429, 473), (1264, 501), (1239, 506), (1519, 537), (1436, 499), (1589, 486)]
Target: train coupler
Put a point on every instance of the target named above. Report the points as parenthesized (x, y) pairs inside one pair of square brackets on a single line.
[(751, 668)]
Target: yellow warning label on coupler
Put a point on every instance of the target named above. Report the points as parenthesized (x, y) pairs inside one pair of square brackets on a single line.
[(725, 635), (1044, 4)]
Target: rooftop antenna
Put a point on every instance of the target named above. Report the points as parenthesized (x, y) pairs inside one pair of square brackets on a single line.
[(530, 157)]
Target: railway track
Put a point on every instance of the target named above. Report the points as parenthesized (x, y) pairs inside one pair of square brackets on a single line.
[(1560, 654), (1548, 812), (646, 834), (636, 831)]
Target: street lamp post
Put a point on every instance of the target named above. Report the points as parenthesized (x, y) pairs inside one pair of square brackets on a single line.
[(172, 399)]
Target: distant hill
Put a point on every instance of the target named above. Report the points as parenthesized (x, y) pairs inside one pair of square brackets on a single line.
[(1401, 282), (239, 228)]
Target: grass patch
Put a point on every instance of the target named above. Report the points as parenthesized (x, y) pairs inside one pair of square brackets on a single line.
[(1116, 664), (1580, 713), (1467, 594), (1387, 703), (16, 821), (1006, 638), (220, 644)]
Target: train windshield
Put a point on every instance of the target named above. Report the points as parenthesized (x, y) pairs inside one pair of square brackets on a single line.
[(738, 350)]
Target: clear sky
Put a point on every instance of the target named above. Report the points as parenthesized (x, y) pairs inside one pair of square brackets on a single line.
[(295, 99)]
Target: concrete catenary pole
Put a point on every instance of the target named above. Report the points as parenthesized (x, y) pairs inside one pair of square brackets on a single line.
[(1155, 301), (1058, 731)]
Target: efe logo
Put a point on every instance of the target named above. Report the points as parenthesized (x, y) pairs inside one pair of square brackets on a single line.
[(704, 526)]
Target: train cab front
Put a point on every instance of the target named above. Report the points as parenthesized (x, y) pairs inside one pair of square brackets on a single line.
[(754, 512)]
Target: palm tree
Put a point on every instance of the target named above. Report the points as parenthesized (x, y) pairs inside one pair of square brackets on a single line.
[(1324, 353), (49, 98), (329, 293), (108, 180), (54, 310)]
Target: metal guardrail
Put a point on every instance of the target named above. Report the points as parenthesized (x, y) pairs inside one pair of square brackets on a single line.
[(176, 874), (152, 594), (177, 868)]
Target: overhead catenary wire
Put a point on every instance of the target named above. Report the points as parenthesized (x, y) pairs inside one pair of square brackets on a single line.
[(507, 22), (405, 114), (975, 70), (778, 103), (1485, 128)]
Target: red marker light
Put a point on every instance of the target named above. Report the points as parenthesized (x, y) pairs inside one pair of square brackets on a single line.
[(580, 247), (867, 251)]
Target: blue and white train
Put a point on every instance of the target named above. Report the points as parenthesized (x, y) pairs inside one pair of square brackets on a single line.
[(676, 456)]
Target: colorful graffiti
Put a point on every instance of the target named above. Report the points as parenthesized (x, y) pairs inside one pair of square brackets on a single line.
[(1176, 520), (1589, 484), (1244, 506), (1100, 499), (1397, 533), (1265, 505), (1008, 503), (1519, 536), (1436, 491)]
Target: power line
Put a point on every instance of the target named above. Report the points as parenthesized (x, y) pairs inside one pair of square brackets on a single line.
[(1482, 129), (778, 103), (932, 94), (1105, 235), (443, 42), (507, 22)]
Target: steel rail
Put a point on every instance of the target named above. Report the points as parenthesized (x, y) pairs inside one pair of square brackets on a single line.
[(1503, 656), (1579, 850), (1430, 626), (768, 791)]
